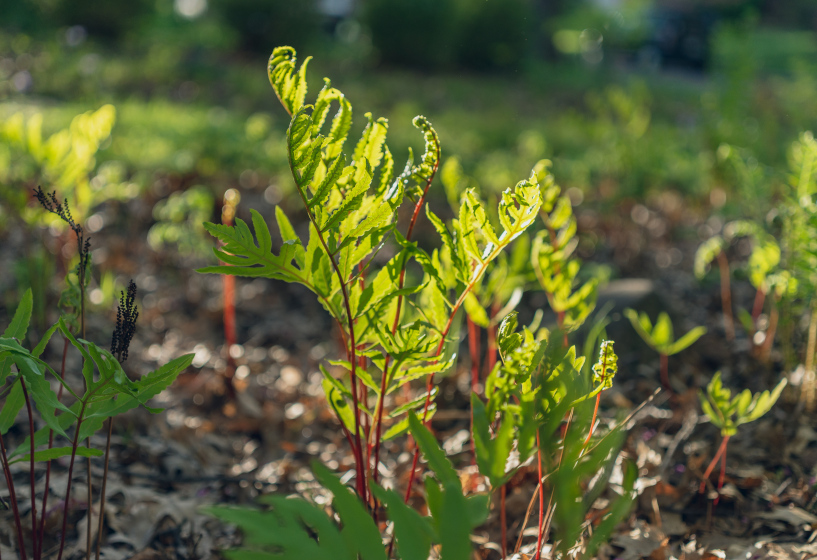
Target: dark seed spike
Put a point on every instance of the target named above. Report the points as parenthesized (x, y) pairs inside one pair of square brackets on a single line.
[(126, 315)]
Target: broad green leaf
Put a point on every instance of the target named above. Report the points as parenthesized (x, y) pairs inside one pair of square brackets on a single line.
[(437, 461), (40, 391), (686, 341), (475, 311), (414, 534), (492, 454), (338, 403), (17, 329), (19, 322), (400, 428), (359, 530), (57, 452), (11, 408), (662, 334), (285, 533), (454, 527)]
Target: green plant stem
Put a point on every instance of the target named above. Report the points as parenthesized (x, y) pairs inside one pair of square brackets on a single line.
[(664, 360), (104, 487), (50, 445), (473, 348), (13, 498), (726, 296), (503, 520), (34, 548), (544, 532), (721, 451)]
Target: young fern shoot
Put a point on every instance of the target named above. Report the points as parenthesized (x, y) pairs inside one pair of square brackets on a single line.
[(727, 413), (603, 373), (661, 339)]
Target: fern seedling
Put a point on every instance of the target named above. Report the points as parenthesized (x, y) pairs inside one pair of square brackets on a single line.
[(661, 338), (603, 373), (727, 413)]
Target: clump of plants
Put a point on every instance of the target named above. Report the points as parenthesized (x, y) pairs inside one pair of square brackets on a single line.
[(399, 320), (66, 420), (781, 264)]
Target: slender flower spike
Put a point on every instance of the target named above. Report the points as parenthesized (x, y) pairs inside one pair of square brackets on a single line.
[(126, 315), (607, 366), (50, 203)]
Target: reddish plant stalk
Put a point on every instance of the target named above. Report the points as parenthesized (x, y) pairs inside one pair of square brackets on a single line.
[(231, 199), (50, 445), (726, 296), (664, 360), (229, 320), (593, 421), (415, 214), (104, 486), (68, 486), (13, 498), (90, 498), (770, 332), (711, 467), (760, 299), (34, 548), (722, 475)]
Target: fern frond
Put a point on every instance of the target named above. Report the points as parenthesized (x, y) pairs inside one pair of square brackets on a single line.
[(289, 85)]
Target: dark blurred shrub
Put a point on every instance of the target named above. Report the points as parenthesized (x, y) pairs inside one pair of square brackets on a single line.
[(264, 24), (494, 33), (430, 34), (104, 19), (416, 33)]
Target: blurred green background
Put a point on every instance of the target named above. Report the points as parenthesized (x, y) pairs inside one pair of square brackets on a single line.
[(629, 98)]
